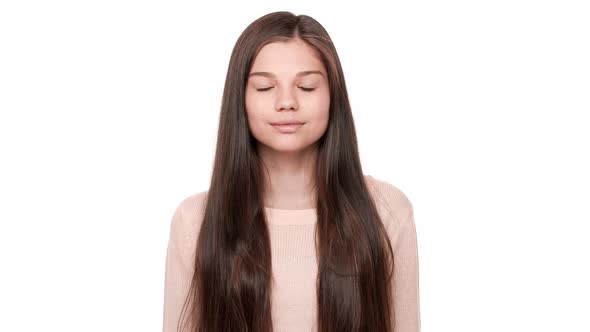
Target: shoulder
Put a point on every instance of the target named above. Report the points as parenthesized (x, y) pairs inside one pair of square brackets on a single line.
[(189, 214), (393, 204), (193, 205)]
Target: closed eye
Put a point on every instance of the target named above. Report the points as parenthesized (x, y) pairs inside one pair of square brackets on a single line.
[(302, 88)]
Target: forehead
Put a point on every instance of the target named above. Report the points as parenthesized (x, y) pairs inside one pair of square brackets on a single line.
[(287, 58)]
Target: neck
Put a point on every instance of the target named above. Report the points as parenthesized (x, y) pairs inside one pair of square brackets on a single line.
[(289, 183)]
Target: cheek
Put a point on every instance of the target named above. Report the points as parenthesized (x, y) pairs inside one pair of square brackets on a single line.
[(319, 116), (249, 102), (256, 116), (253, 107), (321, 107)]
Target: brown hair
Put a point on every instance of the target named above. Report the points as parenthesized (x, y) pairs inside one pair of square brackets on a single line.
[(231, 286)]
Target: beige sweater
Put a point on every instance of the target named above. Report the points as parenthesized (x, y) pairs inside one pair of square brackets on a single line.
[(294, 262)]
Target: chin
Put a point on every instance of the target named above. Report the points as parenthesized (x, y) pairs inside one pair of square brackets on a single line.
[(285, 147)]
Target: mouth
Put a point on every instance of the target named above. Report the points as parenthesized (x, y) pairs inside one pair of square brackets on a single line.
[(287, 127), (287, 123)]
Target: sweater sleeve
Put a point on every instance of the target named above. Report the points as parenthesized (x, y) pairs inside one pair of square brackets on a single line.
[(178, 270), (406, 297)]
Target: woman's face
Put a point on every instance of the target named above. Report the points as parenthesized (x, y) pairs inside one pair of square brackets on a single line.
[(276, 91)]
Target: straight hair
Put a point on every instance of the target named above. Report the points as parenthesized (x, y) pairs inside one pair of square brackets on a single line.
[(232, 282)]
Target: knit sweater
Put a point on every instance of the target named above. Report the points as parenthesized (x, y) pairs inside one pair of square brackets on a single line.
[(294, 260)]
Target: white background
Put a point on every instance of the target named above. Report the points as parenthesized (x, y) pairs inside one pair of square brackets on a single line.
[(477, 110)]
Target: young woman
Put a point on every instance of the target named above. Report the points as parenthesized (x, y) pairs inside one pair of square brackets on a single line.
[(291, 235)]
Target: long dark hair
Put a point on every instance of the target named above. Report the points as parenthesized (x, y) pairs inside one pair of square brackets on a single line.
[(231, 285)]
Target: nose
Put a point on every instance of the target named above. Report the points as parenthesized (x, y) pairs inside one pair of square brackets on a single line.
[(286, 100)]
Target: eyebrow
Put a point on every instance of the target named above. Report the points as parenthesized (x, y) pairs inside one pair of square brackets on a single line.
[(299, 74)]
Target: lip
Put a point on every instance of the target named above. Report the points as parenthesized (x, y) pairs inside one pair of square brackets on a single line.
[(286, 122), (287, 127)]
